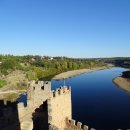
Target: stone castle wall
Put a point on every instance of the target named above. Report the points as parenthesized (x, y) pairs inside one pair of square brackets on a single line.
[(59, 107), (37, 93), (73, 125), (15, 116), (9, 119)]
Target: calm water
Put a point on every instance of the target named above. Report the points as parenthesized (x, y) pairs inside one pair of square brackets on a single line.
[(97, 102)]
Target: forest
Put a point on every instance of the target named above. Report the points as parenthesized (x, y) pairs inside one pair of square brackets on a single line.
[(40, 67)]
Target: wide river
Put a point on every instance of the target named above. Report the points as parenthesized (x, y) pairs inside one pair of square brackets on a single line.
[(97, 101)]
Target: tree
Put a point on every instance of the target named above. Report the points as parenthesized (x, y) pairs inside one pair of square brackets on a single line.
[(70, 65), (8, 65), (75, 66)]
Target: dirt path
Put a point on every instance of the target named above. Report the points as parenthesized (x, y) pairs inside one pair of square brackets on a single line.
[(11, 91)]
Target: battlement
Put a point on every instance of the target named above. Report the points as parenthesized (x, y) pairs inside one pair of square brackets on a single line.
[(7, 111), (73, 125), (39, 85), (7, 108), (58, 107), (6, 103), (60, 91), (39, 91)]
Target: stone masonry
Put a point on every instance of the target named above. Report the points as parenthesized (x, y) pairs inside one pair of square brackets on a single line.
[(44, 106), (59, 107)]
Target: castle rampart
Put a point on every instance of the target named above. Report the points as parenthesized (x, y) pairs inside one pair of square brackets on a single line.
[(59, 107), (9, 119), (73, 125), (54, 107), (37, 93)]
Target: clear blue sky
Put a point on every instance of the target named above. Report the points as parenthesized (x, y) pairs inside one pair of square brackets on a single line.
[(73, 28)]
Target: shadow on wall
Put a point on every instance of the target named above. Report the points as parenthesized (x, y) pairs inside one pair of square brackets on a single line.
[(40, 117), (9, 119)]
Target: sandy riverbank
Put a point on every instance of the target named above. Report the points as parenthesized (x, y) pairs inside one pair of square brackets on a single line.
[(72, 73), (122, 83)]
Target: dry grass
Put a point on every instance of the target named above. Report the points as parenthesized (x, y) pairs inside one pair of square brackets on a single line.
[(15, 81)]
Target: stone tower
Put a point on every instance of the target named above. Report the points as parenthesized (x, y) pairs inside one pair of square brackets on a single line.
[(59, 107)]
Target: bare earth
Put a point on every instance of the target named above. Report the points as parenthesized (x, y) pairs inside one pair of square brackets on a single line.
[(72, 73), (122, 83)]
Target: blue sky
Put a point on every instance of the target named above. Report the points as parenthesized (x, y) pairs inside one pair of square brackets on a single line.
[(73, 28)]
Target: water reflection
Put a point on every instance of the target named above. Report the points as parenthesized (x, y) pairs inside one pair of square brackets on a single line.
[(97, 102), (23, 98)]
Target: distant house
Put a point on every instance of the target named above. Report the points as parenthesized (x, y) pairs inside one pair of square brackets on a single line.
[(51, 58)]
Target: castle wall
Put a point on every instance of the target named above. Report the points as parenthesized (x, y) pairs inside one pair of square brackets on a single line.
[(15, 116), (37, 93), (59, 107), (73, 125), (51, 127), (9, 116)]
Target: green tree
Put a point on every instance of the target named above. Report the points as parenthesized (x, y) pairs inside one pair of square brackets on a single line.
[(75, 66), (70, 65)]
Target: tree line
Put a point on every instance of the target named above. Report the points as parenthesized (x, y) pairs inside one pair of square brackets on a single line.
[(38, 67)]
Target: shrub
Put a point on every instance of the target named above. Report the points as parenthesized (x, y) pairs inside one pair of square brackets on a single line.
[(2, 83)]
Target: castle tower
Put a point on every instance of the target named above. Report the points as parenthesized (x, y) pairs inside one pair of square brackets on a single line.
[(59, 107), (38, 92)]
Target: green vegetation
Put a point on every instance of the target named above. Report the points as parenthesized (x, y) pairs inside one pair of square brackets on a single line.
[(2, 83), (37, 67), (118, 61)]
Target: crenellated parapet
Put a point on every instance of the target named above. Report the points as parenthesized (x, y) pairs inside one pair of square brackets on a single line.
[(73, 125), (8, 108), (38, 92), (59, 107), (7, 103), (9, 115), (61, 91), (38, 86)]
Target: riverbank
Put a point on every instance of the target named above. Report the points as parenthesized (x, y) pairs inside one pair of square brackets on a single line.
[(72, 73), (123, 83)]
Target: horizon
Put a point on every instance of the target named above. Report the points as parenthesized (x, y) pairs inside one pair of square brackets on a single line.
[(63, 56), (85, 29)]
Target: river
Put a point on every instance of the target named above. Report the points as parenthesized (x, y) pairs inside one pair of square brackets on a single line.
[(97, 101)]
